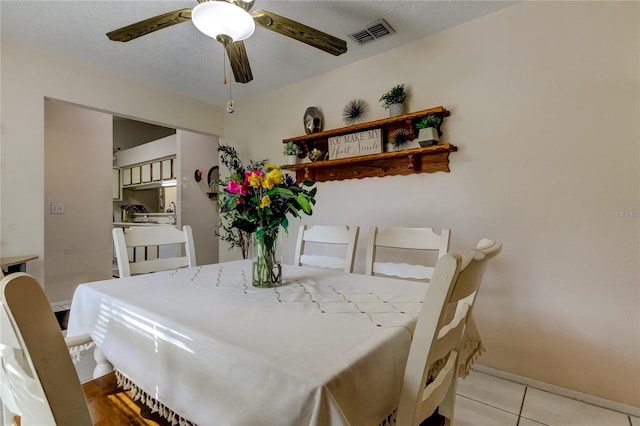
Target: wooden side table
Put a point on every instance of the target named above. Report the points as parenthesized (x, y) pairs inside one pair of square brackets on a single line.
[(15, 263)]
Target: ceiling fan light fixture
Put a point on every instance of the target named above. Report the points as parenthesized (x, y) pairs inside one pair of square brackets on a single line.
[(219, 18)]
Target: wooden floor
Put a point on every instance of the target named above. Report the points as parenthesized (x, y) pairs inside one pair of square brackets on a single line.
[(111, 406)]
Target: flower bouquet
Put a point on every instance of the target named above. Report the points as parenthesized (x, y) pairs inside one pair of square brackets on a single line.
[(255, 200)]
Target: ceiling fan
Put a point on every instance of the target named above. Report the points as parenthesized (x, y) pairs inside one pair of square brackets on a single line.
[(229, 22)]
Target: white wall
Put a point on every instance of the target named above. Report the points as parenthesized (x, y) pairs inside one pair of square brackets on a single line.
[(159, 148), (28, 77), (129, 133), (544, 101), (198, 152), (77, 244)]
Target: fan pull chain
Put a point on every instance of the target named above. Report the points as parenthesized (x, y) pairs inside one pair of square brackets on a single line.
[(224, 66), (224, 62), (230, 103)]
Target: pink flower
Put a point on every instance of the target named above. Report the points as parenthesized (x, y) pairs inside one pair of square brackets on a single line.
[(234, 187), (244, 189), (256, 172)]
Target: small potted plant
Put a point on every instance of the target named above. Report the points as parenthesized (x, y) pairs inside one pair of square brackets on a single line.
[(429, 130), (394, 99), (292, 151), (316, 155)]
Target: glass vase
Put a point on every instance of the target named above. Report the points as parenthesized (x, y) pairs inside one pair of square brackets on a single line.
[(266, 267)]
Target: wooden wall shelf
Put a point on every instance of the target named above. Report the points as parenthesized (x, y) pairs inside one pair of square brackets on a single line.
[(388, 125), (419, 160)]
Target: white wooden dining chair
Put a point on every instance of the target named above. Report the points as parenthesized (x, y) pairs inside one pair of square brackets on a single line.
[(411, 244), (431, 373), (474, 264), (145, 244), (346, 236), (39, 384)]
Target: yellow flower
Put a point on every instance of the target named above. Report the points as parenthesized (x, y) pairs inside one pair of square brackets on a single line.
[(255, 180), (265, 202), (274, 177), (270, 166)]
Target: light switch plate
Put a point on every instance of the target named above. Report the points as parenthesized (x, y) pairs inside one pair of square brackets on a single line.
[(57, 208)]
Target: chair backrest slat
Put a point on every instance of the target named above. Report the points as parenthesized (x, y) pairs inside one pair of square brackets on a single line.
[(327, 234), (137, 237), (403, 270), (415, 239)]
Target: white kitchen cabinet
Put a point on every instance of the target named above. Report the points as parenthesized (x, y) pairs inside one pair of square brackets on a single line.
[(126, 176), (155, 171), (145, 171), (135, 175), (148, 163), (116, 186), (167, 169)]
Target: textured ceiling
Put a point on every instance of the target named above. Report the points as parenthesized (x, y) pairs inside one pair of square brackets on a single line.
[(185, 61)]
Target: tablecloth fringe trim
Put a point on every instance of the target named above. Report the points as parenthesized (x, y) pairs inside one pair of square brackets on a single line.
[(390, 420), (155, 406), (474, 348), (76, 351)]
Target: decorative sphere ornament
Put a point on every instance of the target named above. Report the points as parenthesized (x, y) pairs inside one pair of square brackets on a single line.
[(355, 111), (312, 120), (399, 139)]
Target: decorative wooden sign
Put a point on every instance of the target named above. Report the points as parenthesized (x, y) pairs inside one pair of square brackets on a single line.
[(355, 144)]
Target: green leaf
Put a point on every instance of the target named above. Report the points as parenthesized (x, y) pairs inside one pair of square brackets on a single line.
[(304, 203), (284, 191)]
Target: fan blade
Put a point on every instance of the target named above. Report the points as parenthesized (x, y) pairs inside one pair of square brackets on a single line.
[(244, 4), (239, 61), (300, 32), (149, 25)]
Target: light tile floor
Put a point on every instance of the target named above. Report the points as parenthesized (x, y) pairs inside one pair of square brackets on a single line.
[(485, 400)]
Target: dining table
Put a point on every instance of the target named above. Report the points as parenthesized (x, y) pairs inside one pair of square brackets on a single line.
[(203, 346)]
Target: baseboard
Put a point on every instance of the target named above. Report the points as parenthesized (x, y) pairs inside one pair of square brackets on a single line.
[(64, 305), (61, 311), (589, 399)]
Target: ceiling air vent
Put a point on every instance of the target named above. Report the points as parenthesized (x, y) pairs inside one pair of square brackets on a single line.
[(373, 32)]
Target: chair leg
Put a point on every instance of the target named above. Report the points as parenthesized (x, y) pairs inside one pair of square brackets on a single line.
[(103, 366), (447, 408)]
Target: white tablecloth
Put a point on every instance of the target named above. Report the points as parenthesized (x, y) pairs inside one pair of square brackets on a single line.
[(326, 348)]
